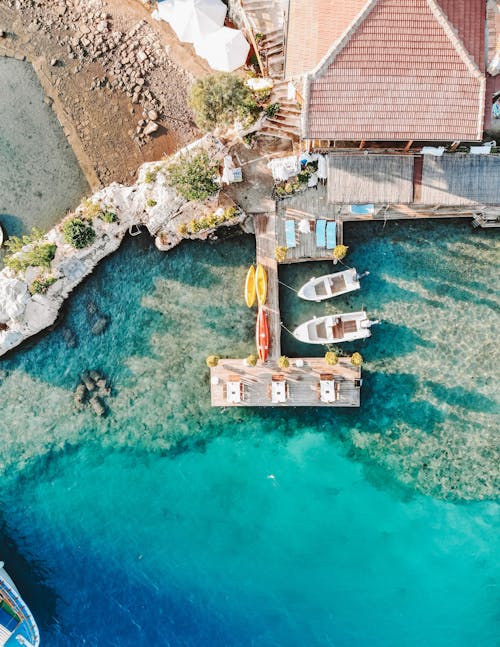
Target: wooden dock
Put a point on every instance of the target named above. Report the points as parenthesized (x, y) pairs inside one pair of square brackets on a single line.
[(254, 384)]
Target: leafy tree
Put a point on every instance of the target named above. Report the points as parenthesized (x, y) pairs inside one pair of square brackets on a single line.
[(78, 233), (193, 176), (221, 99)]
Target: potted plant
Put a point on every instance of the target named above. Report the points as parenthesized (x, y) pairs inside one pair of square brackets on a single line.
[(251, 360), (339, 253), (283, 362), (356, 359), (331, 358), (212, 361)]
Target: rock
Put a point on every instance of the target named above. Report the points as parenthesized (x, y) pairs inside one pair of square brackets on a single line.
[(150, 128), (97, 405), (96, 377), (54, 62), (100, 325), (102, 26), (88, 382), (13, 299), (141, 56), (69, 337), (152, 115), (80, 393)]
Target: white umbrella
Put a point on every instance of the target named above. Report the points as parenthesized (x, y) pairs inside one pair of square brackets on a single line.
[(192, 19), (225, 49)]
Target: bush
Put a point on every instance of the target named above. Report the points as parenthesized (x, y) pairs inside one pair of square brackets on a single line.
[(251, 360), (340, 252), (150, 176), (41, 255), (193, 176), (283, 362), (78, 233), (91, 210), (212, 361), (331, 358), (221, 99), (280, 254), (182, 229), (272, 109), (41, 284), (151, 203), (15, 244), (109, 216), (356, 359)]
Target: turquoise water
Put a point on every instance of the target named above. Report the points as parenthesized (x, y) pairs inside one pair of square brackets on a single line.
[(161, 524)]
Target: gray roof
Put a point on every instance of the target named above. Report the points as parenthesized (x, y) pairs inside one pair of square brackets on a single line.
[(361, 179), (457, 179)]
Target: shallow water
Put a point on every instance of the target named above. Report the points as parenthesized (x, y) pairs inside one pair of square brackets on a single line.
[(39, 175), (171, 523)]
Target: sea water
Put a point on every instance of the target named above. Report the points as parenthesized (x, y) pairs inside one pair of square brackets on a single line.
[(171, 523)]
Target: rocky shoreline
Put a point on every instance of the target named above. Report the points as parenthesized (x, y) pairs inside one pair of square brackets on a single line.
[(150, 202)]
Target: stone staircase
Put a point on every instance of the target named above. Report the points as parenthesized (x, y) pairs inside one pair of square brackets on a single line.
[(286, 123)]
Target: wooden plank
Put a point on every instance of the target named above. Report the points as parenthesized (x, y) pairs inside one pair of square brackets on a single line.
[(302, 381), (265, 240)]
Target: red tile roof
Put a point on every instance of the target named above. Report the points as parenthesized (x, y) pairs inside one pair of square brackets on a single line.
[(400, 73), (313, 27), (468, 17)]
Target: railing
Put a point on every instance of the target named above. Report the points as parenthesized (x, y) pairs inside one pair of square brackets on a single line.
[(23, 611)]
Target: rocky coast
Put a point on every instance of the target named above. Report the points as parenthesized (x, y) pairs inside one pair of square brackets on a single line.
[(150, 202)]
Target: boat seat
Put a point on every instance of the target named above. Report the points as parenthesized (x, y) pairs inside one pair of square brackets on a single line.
[(350, 326), (321, 330), (320, 289), (338, 330), (337, 284)]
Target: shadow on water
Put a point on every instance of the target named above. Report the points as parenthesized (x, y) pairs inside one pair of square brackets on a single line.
[(390, 340), (30, 578), (457, 293), (458, 396)]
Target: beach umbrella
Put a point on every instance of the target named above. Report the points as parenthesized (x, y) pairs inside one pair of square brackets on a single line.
[(225, 49), (192, 19)]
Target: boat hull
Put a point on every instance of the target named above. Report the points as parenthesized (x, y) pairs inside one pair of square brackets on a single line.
[(330, 285), (262, 335), (26, 631), (334, 329), (250, 287), (261, 284)]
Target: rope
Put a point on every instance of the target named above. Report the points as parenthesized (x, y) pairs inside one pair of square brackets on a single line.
[(288, 286), (285, 328)]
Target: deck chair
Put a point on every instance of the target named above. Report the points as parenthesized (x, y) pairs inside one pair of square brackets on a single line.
[(331, 234), (320, 233), (291, 241)]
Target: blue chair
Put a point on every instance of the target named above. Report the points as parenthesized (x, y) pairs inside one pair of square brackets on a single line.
[(320, 233), (331, 234), (291, 241)]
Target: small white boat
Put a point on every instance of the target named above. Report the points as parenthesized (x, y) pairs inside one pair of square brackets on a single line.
[(330, 285), (1, 236), (334, 329)]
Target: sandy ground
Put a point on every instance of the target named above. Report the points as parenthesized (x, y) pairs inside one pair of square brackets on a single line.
[(101, 123)]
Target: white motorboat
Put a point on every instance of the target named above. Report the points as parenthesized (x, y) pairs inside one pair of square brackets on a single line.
[(16, 620), (330, 285), (334, 329)]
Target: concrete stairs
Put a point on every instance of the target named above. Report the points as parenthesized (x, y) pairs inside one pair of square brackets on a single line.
[(286, 122)]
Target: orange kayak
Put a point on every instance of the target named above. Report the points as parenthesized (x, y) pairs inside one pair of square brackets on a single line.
[(250, 287), (262, 335), (261, 278)]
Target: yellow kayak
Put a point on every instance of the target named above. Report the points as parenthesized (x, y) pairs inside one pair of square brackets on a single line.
[(261, 277), (250, 287)]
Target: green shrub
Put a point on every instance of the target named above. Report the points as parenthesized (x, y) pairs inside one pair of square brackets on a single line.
[(109, 216), (41, 255), (15, 244), (78, 233), (193, 176), (272, 109), (150, 176), (221, 99), (91, 210), (151, 203), (41, 284), (182, 229)]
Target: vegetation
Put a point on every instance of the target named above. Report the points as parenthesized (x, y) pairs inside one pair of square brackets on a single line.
[(91, 210), (283, 362), (356, 359), (340, 252), (212, 361), (331, 358), (15, 244), (272, 109), (41, 284), (150, 176), (280, 253), (287, 188), (251, 360), (40, 255), (151, 203), (206, 222), (108, 216), (78, 233), (193, 176), (220, 100)]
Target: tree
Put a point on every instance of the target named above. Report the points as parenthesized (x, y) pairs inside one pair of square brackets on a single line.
[(221, 99), (212, 361), (78, 233), (340, 252), (193, 176), (283, 362), (331, 358), (356, 359)]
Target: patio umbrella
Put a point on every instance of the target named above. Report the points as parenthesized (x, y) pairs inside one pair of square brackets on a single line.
[(225, 49), (192, 19)]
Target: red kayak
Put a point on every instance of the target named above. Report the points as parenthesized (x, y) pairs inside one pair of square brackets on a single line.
[(262, 335)]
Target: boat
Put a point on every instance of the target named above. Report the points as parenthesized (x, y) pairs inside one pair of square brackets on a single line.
[(16, 620), (334, 329), (330, 285), (261, 279), (262, 335), (250, 287), (1, 236)]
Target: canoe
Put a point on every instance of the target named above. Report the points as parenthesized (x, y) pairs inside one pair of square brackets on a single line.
[(250, 287), (261, 277), (262, 335), (1, 236), (330, 285), (335, 329)]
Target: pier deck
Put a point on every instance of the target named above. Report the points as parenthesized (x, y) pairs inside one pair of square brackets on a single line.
[(302, 383)]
